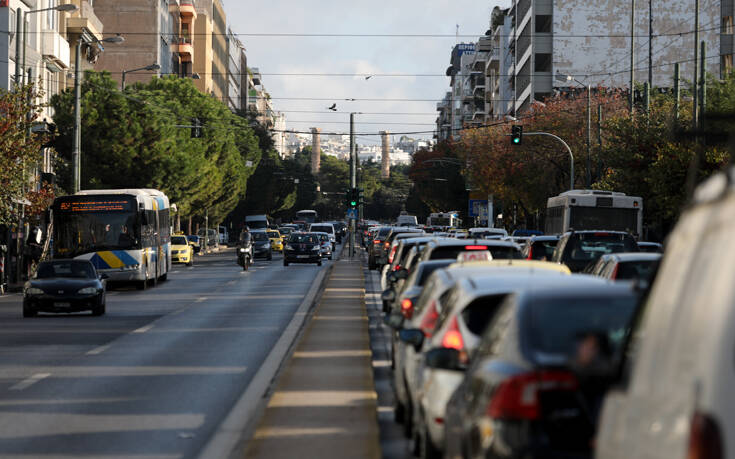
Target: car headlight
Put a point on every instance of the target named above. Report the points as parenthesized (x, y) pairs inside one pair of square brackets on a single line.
[(242, 250), (316, 247), (289, 247), (87, 291), (34, 291), (174, 252)]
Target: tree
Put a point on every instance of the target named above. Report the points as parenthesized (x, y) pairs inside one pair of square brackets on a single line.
[(19, 151)]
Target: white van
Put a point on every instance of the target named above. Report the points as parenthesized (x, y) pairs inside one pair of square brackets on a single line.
[(407, 220), (674, 398), (257, 222)]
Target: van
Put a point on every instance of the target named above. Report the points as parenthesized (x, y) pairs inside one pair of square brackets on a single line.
[(257, 222), (672, 396), (407, 220)]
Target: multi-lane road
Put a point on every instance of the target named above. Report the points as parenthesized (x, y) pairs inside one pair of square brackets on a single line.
[(153, 378)]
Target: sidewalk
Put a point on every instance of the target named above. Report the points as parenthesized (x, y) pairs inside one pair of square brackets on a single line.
[(324, 404)]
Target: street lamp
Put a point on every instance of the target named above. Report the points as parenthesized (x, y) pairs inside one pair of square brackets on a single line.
[(65, 7), (147, 67), (568, 78), (76, 169)]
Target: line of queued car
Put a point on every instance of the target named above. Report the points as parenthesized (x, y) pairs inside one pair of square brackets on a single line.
[(504, 347)]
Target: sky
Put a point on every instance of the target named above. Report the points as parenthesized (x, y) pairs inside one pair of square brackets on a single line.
[(377, 56)]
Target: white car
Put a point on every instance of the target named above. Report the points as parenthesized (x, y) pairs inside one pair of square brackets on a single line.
[(325, 228), (674, 398)]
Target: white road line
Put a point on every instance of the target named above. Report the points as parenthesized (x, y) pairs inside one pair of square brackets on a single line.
[(142, 329), (201, 300), (98, 350), (28, 382), (232, 282)]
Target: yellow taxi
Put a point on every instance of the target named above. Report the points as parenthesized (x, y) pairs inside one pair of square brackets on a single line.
[(276, 240), (181, 250)]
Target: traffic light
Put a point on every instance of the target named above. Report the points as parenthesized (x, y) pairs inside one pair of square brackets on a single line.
[(361, 196), (516, 134), (353, 197)]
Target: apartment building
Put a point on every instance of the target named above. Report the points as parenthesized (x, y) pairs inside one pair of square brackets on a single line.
[(211, 45), (499, 91), (235, 52), (155, 32), (592, 42), (458, 107)]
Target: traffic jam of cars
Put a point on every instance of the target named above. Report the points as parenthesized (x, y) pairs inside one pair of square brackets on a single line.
[(542, 345)]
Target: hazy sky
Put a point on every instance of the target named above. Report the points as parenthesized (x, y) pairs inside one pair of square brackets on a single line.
[(351, 55)]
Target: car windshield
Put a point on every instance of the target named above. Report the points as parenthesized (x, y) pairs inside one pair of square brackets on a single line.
[(69, 269), (640, 269), (498, 253), (259, 237), (588, 247), (178, 240), (324, 238), (303, 238), (193, 238), (321, 228), (273, 234), (558, 324), (285, 231)]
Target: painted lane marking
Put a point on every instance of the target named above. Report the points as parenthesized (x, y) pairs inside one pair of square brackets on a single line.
[(28, 382), (143, 329), (99, 350), (201, 300)]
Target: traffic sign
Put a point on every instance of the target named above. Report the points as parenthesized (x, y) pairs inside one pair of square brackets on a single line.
[(352, 214), (478, 207)]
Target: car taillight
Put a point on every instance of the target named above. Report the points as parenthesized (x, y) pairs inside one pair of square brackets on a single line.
[(453, 337), (377, 241), (392, 254), (407, 308), (429, 321), (530, 253), (615, 272), (518, 397), (386, 246), (397, 268), (475, 247), (705, 440)]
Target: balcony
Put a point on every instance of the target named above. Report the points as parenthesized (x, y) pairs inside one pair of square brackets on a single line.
[(184, 47), (83, 20), (56, 49), (187, 10)]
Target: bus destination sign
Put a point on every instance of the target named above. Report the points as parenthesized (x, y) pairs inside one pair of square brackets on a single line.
[(97, 205)]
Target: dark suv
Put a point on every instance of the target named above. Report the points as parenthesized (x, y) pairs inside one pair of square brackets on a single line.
[(577, 249)]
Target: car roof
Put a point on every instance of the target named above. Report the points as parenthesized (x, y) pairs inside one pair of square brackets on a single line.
[(555, 237), (449, 242), (515, 264), (579, 286)]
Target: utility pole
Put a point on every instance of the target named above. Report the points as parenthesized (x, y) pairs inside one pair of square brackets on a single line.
[(76, 174), (677, 90), (695, 82), (589, 137), (632, 56), (650, 44), (353, 180), (703, 84)]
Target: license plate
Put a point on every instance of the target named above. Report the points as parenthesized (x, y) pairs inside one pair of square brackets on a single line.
[(62, 305), (302, 256)]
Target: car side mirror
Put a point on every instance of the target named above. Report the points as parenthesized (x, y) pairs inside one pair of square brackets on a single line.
[(442, 358), (394, 321), (401, 274), (412, 336), (104, 276), (392, 278), (388, 295)]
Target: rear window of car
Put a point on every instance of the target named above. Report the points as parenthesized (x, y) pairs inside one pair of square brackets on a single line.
[(259, 236), (543, 250), (178, 240), (273, 234), (636, 269), (558, 325), (590, 246), (383, 232), (321, 229), (498, 253), (478, 314)]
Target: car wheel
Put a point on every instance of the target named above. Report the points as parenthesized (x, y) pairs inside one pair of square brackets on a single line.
[(399, 412), (164, 278), (330, 256), (29, 311), (319, 263), (191, 261), (270, 256), (99, 310), (285, 263), (427, 450)]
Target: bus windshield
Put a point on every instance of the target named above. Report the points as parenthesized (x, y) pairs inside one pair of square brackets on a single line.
[(86, 226)]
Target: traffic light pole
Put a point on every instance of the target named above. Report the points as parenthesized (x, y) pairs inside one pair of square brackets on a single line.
[(353, 181), (569, 150)]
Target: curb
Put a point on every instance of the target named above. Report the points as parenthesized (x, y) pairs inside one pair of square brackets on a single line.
[(239, 425)]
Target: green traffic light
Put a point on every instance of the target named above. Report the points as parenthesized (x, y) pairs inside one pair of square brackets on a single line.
[(516, 140), (353, 203)]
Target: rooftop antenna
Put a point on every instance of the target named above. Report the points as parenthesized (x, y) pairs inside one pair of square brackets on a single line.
[(457, 35)]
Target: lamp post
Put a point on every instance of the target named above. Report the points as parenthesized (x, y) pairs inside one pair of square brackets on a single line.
[(125, 72), (588, 175), (65, 7), (76, 169)]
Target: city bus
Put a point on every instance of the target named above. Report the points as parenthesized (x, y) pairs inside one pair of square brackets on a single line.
[(126, 234), (594, 210), (306, 216), (444, 220)]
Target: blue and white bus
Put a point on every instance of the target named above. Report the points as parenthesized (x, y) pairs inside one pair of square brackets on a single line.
[(126, 233)]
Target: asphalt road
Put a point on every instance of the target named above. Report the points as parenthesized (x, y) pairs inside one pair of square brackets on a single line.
[(156, 375)]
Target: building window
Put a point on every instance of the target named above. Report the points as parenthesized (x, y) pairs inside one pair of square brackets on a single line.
[(726, 67), (543, 62), (727, 26), (543, 23)]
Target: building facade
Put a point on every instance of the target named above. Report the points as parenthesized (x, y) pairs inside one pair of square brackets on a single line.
[(235, 51), (211, 44), (155, 32)]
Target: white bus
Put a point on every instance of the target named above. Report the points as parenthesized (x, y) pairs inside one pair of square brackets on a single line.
[(126, 234), (594, 210), (444, 220), (306, 216)]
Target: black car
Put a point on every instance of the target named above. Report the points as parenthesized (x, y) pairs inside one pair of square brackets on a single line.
[(302, 248), (536, 392), (65, 286), (261, 245), (577, 249)]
